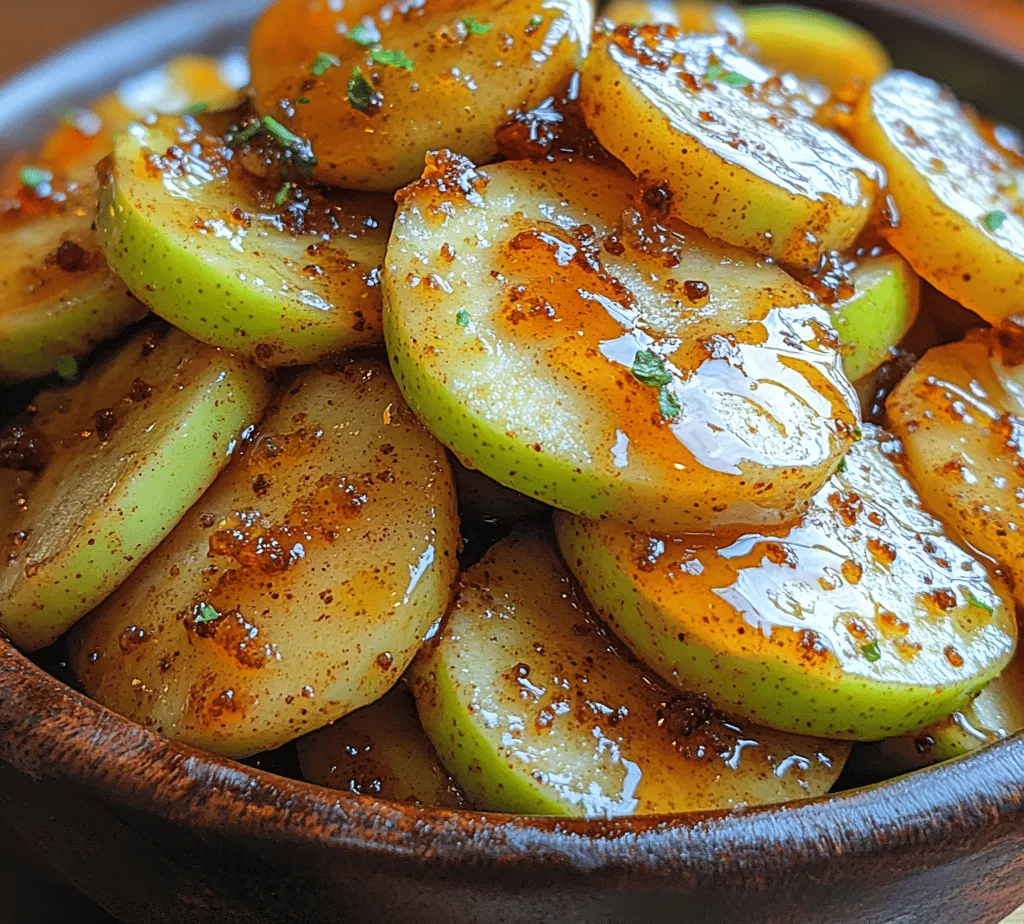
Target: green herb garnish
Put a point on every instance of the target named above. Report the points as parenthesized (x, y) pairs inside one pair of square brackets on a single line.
[(649, 369), (66, 367), (668, 403), (477, 28), (323, 62), (275, 129), (535, 21), (713, 72), (195, 109), (360, 90), (303, 101), (842, 465), (981, 605), (282, 194), (994, 220), (732, 79), (241, 134), (34, 177), (462, 318), (363, 35), (391, 58), (872, 652), (204, 613)]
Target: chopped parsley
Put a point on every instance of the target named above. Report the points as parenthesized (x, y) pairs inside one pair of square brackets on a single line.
[(649, 369), (841, 468), (713, 72), (391, 58), (462, 318), (668, 404), (282, 194), (303, 101), (872, 652), (34, 177), (195, 109), (535, 21), (323, 62), (287, 139), (360, 90), (366, 36), (477, 28), (980, 604), (732, 79), (66, 367), (204, 613), (994, 220), (244, 133)]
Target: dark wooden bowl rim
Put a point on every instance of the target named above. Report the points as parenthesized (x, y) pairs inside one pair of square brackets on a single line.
[(51, 733)]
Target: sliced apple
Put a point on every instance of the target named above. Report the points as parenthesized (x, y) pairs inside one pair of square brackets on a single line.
[(299, 586), (533, 710), (578, 346), (207, 233), (115, 460), (382, 751), (862, 620)]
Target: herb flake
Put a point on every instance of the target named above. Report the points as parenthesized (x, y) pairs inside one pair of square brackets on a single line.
[(871, 652), (535, 21), (360, 90), (204, 613), (994, 220), (462, 318), (34, 177), (282, 194), (276, 130), (980, 604), (195, 109), (668, 404), (323, 62), (732, 79), (66, 367), (649, 369), (477, 28), (364, 36), (303, 101), (391, 58), (713, 72)]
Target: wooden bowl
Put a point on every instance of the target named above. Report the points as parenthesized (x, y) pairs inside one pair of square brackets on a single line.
[(156, 832)]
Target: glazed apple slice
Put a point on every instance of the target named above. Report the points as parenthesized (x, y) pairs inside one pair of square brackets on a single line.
[(380, 750), (206, 232), (690, 15), (373, 91), (115, 461), (961, 225), (567, 339), (533, 710), (861, 620), (881, 307), (816, 44), (959, 413), (299, 586), (737, 153)]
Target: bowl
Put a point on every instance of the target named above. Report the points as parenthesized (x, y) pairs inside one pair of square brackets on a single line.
[(156, 832)]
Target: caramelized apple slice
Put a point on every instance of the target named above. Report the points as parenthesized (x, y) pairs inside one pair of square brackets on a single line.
[(533, 710), (583, 348), (299, 586), (861, 620), (115, 461), (738, 154)]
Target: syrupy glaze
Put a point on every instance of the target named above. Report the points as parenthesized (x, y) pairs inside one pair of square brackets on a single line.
[(300, 585), (960, 414), (573, 727), (584, 279), (865, 584)]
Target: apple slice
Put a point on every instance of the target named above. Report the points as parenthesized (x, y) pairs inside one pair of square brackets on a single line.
[(533, 711), (207, 233), (380, 750), (299, 586), (115, 461), (861, 620)]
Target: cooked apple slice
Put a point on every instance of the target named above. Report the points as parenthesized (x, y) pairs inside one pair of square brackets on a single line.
[(690, 15), (862, 620), (996, 713), (206, 234), (373, 92), (960, 415), (533, 710), (604, 358), (380, 750), (961, 225), (57, 297), (882, 308), (298, 588), (738, 154), (815, 44), (116, 461)]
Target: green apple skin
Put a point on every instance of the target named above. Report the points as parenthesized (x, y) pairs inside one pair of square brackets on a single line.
[(103, 501), (848, 624), (533, 710)]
